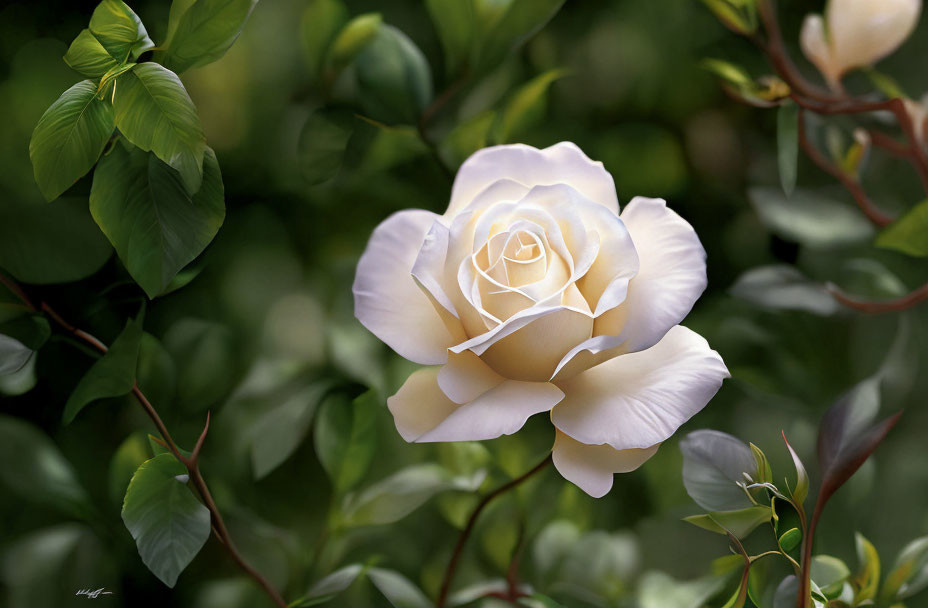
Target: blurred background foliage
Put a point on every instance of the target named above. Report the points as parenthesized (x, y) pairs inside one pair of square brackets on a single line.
[(263, 335)]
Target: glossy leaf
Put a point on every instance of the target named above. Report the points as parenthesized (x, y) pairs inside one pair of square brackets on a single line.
[(783, 287), (323, 143), (455, 21), (204, 32), (330, 586), (87, 56), (764, 474), (829, 573), (867, 577), (345, 437), (168, 523), (526, 107), (50, 244), (847, 437), (788, 145), (113, 375), (148, 215), (69, 138), (322, 21), (799, 490), (119, 30), (14, 355), (204, 355), (908, 234), (402, 493), (398, 590), (521, 20), (909, 574), (36, 471), (129, 456), (393, 77), (713, 465), (739, 523), (809, 218), (790, 539), (154, 112)]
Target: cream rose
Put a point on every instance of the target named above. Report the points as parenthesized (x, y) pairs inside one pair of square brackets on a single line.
[(535, 295), (856, 33)]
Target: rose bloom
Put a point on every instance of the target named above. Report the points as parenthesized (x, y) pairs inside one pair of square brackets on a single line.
[(535, 295), (856, 33)]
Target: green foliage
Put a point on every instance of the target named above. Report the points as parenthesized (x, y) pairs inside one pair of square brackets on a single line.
[(352, 39), (397, 589), (203, 353), (146, 211), (128, 457), (321, 23), (908, 234), (799, 490), (867, 578), (69, 138), (809, 218), (113, 375), (455, 21), (714, 468), (168, 523), (345, 437), (790, 539), (783, 287), (909, 574), (829, 573), (323, 143), (203, 31), (525, 108), (788, 145), (87, 56), (739, 523), (505, 26), (119, 30), (154, 112)]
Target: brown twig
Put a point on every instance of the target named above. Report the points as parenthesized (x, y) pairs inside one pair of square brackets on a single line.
[(875, 307), (191, 463), (469, 527)]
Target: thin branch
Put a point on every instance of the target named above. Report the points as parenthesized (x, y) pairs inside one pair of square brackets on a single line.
[(875, 307), (469, 527), (191, 464)]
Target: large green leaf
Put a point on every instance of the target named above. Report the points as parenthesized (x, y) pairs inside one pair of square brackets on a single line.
[(204, 32), (129, 456), (345, 437), (168, 523), (87, 56), (69, 138), (505, 33), (908, 234), (148, 215), (50, 244), (112, 375), (154, 112), (713, 464), (909, 574), (36, 471), (330, 586), (119, 30), (809, 218), (455, 21), (322, 21)]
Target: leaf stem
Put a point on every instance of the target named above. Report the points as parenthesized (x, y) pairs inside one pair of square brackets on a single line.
[(469, 527), (875, 307)]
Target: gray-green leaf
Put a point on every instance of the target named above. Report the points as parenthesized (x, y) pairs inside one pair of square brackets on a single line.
[(154, 112), (713, 464), (148, 215), (323, 143), (69, 138), (205, 31), (809, 218), (783, 287), (168, 523), (398, 590)]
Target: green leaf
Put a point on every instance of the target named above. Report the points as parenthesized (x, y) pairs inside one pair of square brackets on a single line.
[(740, 523), (909, 574), (526, 107), (322, 21), (538, 600), (154, 112), (113, 375), (809, 218), (44, 244), (467, 137), (764, 474), (729, 72), (36, 470), (521, 20), (352, 39), (69, 138), (456, 22), (111, 75), (829, 573), (397, 589), (800, 490), (87, 56), (14, 355), (204, 32), (714, 463), (908, 234), (400, 494), (130, 454), (345, 437), (658, 590), (168, 523), (867, 578), (740, 17), (323, 143), (204, 355), (280, 430), (783, 287), (119, 30), (790, 539), (148, 215), (552, 546), (327, 588), (158, 447), (393, 78), (788, 145)]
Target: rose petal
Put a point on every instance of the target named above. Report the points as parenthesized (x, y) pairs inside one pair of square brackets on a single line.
[(605, 284), (671, 275), (862, 33), (815, 47), (465, 377), (387, 300), (640, 399), (562, 163), (419, 406), (591, 467)]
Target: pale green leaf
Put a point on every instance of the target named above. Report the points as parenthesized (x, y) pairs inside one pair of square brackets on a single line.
[(352, 39), (790, 539), (714, 463), (398, 590), (323, 143), (809, 218), (908, 234), (205, 31), (455, 21), (521, 20), (526, 107), (204, 354), (87, 56), (740, 523), (867, 578), (130, 454), (829, 573), (783, 287)]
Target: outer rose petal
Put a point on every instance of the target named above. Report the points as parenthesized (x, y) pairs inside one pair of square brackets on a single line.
[(590, 467), (862, 32), (387, 300), (640, 399), (562, 163), (465, 377), (423, 413), (814, 45), (671, 275)]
